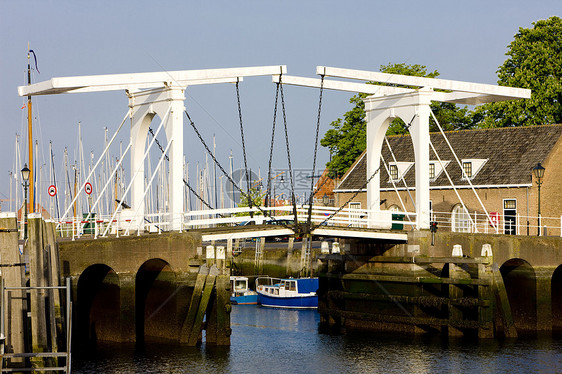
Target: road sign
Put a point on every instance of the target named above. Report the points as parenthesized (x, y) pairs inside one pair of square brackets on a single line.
[(52, 190), (494, 218), (88, 188)]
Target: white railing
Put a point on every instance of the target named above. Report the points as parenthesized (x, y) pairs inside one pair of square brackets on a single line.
[(500, 224), (125, 223)]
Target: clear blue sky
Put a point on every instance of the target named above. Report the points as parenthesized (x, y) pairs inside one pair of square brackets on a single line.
[(462, 40)]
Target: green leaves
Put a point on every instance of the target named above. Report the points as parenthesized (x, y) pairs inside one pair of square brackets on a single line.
[(534, 62)]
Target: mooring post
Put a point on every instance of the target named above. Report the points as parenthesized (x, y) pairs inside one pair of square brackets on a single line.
[(455, 293), (486, 301)]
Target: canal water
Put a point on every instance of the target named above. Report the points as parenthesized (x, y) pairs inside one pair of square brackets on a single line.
[(287, 341)]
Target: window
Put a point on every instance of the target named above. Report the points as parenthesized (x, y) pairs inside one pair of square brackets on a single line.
[(394, 208), (393, 172), (467, 168), (432, 171), (460, 220), (472, 166)]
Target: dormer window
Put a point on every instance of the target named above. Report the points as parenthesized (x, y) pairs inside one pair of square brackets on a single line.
[(393, 172), (436, 168), (397, 170), (467, 168), (432, 171), (472, 166)]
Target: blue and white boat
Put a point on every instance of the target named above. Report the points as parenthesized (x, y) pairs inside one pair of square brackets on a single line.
[(288, 293), (241, 293)]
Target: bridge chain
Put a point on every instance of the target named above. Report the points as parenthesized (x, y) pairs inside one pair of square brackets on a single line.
[(184, 181), (224, 171), (348, 201), (311, 198), (244, 147), (268, 190), (291, 179)]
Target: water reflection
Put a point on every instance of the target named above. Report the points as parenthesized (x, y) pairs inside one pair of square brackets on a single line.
[(280, 341)]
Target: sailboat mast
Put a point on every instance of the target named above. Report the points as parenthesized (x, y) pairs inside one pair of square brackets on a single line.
[(30, 138)]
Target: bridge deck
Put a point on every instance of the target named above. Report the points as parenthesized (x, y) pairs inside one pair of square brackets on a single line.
[(257, 231)]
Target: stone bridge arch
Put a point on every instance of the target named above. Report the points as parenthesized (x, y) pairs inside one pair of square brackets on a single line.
[(556, 297), (98, 301), (158, 302), (520, 281)]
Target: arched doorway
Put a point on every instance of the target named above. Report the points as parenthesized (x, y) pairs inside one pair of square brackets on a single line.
[(556, 293), (98, 305), (520, 283), (156, 302)]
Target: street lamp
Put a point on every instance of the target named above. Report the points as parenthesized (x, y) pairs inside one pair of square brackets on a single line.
[(25, 176), (326, 199), (539, 174)]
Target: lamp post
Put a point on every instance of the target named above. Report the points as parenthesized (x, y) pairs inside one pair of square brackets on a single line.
[(539, 174), (25, 176), (326, 199)]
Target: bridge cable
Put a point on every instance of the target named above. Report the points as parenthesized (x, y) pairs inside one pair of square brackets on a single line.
[(244, 149), (348, 201), (184, 181), (353, 139), (268, 189), (291, 180), (359, 190), (311, 198), (222, 169)]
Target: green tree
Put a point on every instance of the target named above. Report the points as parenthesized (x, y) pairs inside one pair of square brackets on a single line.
[(256, 196), (534, 62), (347, 137)]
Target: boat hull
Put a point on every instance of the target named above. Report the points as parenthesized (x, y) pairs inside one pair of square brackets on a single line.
[(296, 302), (244, 300)]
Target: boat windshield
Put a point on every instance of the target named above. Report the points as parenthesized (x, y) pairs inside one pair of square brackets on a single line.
[(240, 284)]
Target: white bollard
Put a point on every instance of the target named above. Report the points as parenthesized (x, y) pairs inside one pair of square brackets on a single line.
[(210, 252), (221, 252), (486, 250), (457, 250), (325, 248), (335, 247)]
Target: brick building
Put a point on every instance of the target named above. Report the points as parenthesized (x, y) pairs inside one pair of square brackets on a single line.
[(497, 162)]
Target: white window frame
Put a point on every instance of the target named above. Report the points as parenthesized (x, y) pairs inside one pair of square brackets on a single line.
[(403, 168), (460, 219), (477, 164)]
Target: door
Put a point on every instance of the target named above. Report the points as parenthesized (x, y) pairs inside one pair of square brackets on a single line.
[(510, 216)]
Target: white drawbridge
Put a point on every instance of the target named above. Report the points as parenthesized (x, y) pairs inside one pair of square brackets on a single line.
[(162, 94)]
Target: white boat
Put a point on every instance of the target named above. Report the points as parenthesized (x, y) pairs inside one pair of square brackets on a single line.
[(241, 293), (287, 293)]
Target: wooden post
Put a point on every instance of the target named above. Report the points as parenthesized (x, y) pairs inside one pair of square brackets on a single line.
[(194, 305), (14, 301), (455, 292), (485, 294), (195, 334), (504, 309), (37, 279), (290, 254)]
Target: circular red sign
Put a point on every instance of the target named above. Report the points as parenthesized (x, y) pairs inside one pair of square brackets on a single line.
[(88, 188), (52, 190)]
